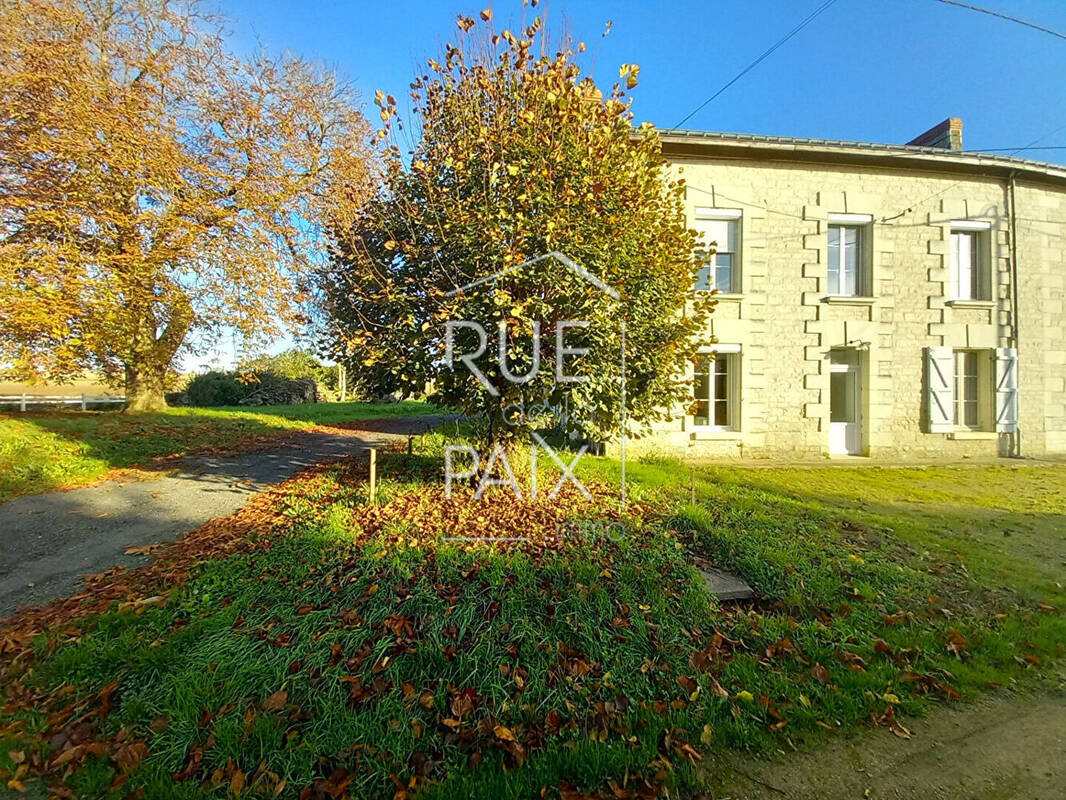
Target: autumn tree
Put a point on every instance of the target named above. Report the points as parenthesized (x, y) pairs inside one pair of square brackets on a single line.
[(155, 189), (516, 155)]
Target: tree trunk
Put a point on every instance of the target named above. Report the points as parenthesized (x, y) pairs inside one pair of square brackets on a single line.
[(145, 389)]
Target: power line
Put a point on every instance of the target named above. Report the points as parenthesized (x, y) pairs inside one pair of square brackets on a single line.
[(806, 21), (912, 206), (1014, 149), (1001, 15)]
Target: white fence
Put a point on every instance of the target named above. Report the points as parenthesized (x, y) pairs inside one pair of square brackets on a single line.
[(83, 400)]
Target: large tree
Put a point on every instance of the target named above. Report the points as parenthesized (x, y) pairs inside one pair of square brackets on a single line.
[(155, 189), (516, 155)]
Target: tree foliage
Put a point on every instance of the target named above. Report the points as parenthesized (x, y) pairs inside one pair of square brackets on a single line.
[(518, 155), (154, 188), (292, 364)]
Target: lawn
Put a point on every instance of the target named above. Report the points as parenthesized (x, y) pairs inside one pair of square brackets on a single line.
[(40, 451), (319, 645)]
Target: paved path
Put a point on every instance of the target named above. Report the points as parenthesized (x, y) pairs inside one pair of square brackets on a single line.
[(1003, 747), (48, 541)]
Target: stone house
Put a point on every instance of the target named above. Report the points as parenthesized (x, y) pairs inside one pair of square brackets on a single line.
[(874, 300)]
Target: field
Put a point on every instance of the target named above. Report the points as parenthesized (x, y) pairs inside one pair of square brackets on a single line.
[(76, 387), (40, 451), (318, 644)]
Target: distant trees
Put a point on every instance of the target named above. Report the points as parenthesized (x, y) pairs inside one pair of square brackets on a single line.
[(518, 156), (292, 364), (154, 188)]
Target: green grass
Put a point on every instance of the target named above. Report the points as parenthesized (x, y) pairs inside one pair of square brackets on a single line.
[(40, 451), (881, 589)]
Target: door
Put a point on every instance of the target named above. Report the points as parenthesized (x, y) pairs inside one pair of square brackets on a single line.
[(845, 402)]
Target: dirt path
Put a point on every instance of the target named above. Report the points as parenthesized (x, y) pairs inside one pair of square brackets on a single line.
[(1006, 747), (48, 541)]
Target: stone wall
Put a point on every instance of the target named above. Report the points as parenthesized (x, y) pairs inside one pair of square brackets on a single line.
[(785, 327)]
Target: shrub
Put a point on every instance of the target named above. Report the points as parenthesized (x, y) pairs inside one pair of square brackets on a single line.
[(216, 389)]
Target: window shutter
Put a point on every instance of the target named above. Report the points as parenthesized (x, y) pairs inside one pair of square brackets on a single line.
[(940, 388), (1006, 389)]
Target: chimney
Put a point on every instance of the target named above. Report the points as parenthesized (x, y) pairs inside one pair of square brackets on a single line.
[(947, 135)]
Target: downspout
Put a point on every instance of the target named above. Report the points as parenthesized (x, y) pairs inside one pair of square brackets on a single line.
[(1014, 286)]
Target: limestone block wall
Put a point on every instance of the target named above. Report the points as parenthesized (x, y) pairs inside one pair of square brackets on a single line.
[(785, 326)]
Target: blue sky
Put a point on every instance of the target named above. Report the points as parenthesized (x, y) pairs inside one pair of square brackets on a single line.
[(878, 70), (875, 70)]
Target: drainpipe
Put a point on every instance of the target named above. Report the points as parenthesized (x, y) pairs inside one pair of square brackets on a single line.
[(1014, 286)]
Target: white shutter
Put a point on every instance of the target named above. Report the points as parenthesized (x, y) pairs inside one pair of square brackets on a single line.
[(940, 389), (1006, 389)]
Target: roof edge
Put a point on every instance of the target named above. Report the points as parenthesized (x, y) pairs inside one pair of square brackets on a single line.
[(698, 144)]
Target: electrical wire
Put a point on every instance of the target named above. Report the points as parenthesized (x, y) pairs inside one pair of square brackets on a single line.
[(766, 54), (1003, 16)]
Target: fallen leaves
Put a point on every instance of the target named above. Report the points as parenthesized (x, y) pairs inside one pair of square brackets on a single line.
[(276, 701)]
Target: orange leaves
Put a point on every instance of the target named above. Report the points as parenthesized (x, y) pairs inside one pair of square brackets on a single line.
[(465, 702), (194, 134), (956, 643), (400, 626)]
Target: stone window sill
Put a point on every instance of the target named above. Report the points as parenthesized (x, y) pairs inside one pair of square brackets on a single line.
[(710, 435), (848, 300), (984, 304), (968, 435)]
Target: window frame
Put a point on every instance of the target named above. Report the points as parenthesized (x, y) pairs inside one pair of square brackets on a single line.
[(862, 224), (980, 234), (729, 357), (733, 217)]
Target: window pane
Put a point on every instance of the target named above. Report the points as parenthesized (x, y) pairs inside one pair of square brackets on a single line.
[(703, 275), (851, 261), (723, 272), (841, 399), (701, 413), (962, 262), (967, 389), (701, 392), (834, 259), (975, 274), (721, 413), (702, 387), (717, 234), (722, 399)]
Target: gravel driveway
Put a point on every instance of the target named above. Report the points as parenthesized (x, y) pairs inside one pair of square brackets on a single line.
[(48, 541)]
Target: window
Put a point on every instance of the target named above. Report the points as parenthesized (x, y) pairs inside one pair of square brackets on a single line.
[(849, 260), (721, 233), (971, 389), (715, 391), (970, 262)]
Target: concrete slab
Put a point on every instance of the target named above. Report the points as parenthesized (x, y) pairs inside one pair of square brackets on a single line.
[(726, 586)]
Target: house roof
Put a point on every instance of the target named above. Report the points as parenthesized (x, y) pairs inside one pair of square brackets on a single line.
[(688, 144)]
